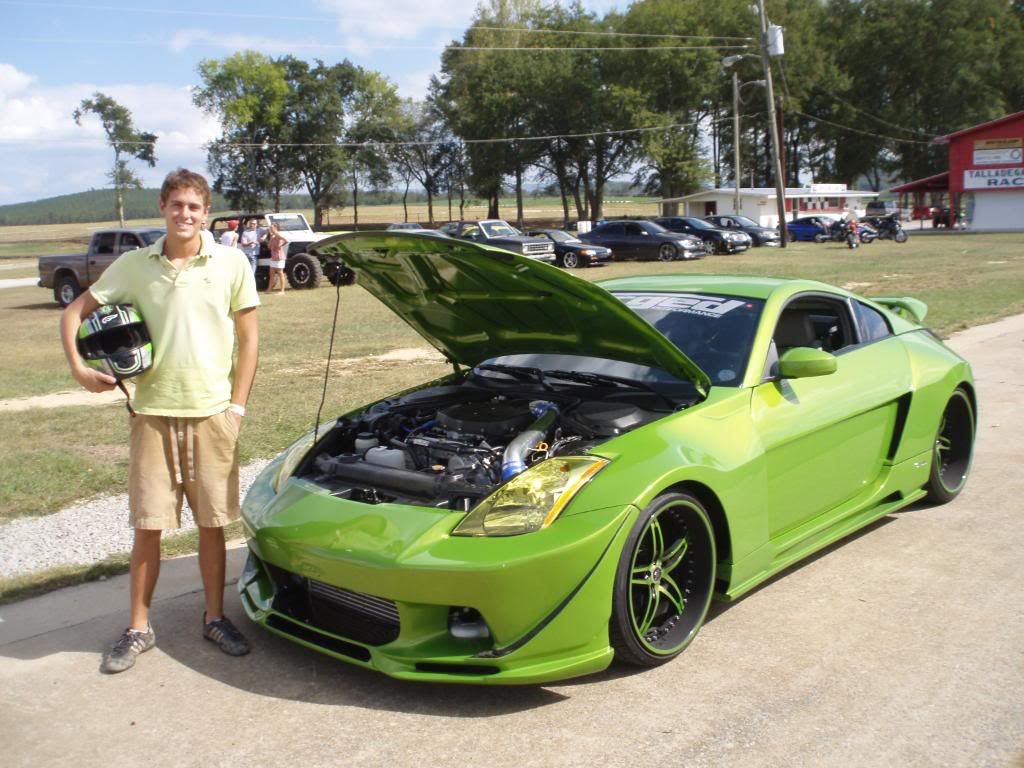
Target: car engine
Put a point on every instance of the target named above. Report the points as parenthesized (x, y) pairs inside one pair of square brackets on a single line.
[(451, 446)]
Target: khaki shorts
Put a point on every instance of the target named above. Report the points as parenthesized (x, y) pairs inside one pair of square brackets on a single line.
[(171, 458)]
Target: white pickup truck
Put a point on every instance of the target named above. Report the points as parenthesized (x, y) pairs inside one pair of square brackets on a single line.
[(303, 269)]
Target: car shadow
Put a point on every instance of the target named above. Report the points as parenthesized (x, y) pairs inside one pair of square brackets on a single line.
[(719, 607), (281, 669), (275, 667)]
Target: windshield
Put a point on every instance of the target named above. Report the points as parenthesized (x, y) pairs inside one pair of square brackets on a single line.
[(497, 229), (716, 332), (558, 236), (151, 237), (290, 224), (654, 227), (698, 224), (743, 221)]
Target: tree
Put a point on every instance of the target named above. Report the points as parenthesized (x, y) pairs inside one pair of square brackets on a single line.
[(422, 156), (316, 107), (375, 115), (247, 92), (124, 139)]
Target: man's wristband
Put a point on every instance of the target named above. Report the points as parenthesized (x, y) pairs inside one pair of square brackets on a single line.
[(236, 408)]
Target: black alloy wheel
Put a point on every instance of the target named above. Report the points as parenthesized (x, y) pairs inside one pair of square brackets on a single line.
[(952, 449), (664, 581)]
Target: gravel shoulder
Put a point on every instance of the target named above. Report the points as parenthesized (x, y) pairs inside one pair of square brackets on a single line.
[(82, 534)]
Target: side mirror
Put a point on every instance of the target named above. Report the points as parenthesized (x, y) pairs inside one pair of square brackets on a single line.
[(804, 362)]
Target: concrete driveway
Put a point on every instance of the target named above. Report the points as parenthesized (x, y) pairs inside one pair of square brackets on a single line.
[(903, 646)]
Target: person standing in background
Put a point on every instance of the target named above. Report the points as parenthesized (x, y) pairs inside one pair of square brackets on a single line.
[(278, 245), (249, 242), (230, 236)]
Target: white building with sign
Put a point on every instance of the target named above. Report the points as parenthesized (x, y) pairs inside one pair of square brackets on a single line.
[(758, 203), (985, 181)]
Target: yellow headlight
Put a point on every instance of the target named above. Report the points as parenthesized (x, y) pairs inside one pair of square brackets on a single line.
[(531, 501)]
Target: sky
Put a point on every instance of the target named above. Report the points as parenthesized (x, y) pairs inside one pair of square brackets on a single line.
[(145, 54)]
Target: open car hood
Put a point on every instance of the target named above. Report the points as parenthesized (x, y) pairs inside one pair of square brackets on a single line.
[(474, 302)]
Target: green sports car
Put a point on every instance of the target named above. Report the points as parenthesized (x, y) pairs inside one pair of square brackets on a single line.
[(602, 460)]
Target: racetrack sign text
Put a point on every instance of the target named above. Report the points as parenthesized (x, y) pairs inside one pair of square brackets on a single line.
[(994, 178)]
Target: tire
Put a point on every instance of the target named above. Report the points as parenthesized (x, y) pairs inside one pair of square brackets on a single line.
[(338, 274), (570, 260), (304, 271), (667, 252), (262, 276), (664, 581), (952, 450), (820, 238), (66, 290), (710, 248), (901, 236)]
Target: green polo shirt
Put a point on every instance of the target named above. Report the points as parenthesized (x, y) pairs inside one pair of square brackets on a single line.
[(190, 317)]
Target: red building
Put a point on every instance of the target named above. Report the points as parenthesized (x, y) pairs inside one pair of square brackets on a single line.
[(985, 180)]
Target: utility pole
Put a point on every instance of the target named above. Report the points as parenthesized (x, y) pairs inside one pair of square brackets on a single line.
[(780, 182), (736, 140)]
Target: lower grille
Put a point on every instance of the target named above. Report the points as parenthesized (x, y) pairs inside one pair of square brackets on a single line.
[(364, 618)]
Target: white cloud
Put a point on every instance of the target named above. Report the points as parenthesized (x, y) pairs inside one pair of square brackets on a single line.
[(44, 153), (368, 22)]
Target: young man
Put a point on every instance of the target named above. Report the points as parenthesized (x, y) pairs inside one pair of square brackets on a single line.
[(249, 242), (196, 297)]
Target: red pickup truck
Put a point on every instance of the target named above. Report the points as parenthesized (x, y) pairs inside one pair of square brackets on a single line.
[(71, 273)]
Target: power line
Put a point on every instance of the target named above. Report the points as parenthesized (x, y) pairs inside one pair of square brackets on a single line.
[(388, 144), (609, 33), (396, 47), (858, 130), (320, 19)]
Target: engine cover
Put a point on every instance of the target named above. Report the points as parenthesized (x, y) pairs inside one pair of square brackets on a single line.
[(494, 419)]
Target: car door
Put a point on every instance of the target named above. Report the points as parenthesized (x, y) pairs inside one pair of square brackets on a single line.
[(826, 439), (102, 253), (614, 236), (128, 241)]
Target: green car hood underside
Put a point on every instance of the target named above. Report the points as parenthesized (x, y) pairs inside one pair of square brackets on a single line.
[(473, 303)]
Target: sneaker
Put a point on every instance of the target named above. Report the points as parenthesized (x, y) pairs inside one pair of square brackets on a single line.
[(226, 636), (122, 656)]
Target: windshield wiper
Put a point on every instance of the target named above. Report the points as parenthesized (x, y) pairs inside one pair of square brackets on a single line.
[(521, 372), (604, 378)]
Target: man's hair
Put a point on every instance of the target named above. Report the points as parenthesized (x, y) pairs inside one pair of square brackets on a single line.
[(182, 178)]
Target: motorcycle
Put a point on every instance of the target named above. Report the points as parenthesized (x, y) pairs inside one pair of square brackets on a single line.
[(889, 228), (849, 232), (852, 235)]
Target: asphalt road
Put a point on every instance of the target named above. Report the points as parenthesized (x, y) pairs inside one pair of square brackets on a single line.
[(902, 646)]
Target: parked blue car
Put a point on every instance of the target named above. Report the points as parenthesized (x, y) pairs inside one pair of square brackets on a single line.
[(811, 228)]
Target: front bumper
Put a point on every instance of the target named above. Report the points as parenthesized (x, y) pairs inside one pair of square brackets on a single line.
[(378, 586)]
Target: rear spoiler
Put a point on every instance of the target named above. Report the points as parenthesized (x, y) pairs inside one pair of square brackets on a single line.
[(911, 309)]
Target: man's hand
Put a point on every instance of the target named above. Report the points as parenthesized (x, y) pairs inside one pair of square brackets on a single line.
[(93, 380)]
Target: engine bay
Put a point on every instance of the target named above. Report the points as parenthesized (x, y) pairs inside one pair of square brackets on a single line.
[(450, 446)]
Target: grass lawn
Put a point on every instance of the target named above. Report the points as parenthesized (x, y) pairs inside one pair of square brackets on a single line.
[(55, 456)]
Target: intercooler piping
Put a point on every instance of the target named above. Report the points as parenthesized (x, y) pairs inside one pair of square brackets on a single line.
[(514, 460)]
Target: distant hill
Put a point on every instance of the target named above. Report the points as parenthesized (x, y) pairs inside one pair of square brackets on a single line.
[(98, 205)]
